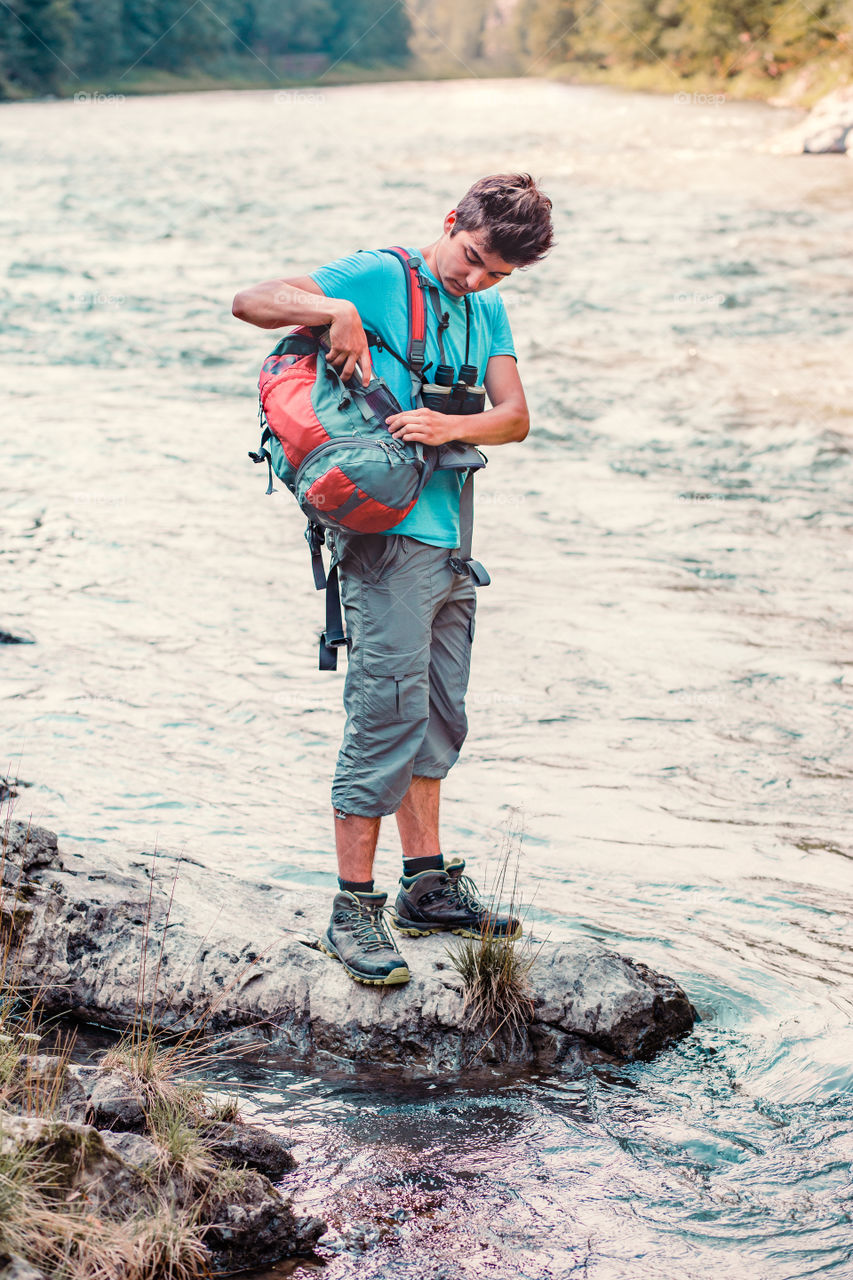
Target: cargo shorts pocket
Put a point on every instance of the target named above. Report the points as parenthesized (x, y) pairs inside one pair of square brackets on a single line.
[(365, 555), (396, 685)]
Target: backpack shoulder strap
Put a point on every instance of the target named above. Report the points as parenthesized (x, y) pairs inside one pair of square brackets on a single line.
[(416, 345)]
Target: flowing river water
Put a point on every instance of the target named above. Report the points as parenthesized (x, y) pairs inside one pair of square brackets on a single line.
[(661, 684)]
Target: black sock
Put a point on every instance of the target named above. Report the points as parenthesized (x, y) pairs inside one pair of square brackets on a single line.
[(355, 886), (414, 866)]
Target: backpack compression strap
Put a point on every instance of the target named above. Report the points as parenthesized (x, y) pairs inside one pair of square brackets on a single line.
[(333, 638)]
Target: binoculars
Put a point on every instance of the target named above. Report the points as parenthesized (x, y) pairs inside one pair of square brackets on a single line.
[(448, 394)]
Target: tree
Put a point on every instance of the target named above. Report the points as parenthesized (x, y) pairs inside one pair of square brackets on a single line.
[(369, 32), (40, 45)]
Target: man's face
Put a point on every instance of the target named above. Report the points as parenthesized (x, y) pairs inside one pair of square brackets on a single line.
[(463, 265)]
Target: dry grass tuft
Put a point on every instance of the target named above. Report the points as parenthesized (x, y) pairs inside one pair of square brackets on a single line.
[(495, 970), (66, 1236)]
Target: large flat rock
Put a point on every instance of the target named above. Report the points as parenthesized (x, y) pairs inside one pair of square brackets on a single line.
[(242, 955)]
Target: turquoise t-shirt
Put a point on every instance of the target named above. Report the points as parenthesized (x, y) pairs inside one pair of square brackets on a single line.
[(375, 284)]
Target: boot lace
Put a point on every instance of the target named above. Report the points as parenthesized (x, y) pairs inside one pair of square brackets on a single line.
[(463, 890), (370, 930)]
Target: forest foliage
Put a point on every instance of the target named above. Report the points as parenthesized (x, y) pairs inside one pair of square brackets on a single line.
[(54, 46)]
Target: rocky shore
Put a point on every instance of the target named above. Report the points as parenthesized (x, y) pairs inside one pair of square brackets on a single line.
[(826, 130), (152, 1207), (243, 957), (128, 1164)]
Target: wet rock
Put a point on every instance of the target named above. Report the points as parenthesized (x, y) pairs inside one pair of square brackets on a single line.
[(827, 129), (245, 957), (9, 787), (253, 1225), (248, 1144), (12, 637)]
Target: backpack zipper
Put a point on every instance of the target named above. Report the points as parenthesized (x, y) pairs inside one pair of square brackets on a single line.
[(391, 449)]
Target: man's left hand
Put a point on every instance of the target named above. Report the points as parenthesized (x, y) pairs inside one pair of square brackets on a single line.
[(422, 426)]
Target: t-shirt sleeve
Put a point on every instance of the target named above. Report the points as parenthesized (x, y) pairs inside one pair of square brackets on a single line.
[(362, 279), (502, 343)]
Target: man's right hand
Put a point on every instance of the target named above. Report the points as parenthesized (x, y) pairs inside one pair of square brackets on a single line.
[(348, 342)]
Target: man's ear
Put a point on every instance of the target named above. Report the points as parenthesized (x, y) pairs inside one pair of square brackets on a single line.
[(450, 222)]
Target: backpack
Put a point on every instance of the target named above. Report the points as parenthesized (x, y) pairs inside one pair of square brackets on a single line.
[(329, 443)]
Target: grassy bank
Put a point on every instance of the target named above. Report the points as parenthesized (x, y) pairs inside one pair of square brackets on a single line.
[(799, 87)]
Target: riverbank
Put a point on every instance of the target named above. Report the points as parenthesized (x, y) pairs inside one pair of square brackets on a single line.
[(800, 86)]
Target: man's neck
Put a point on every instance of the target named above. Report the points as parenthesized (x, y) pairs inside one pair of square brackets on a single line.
[(428, 255)]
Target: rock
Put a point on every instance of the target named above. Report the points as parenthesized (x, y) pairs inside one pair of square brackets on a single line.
[(245, 957), (9, 787), (110, 1101), (253, 1225), (28, 850), (14, 1268), (113, 1102), (49, 1077), (245, 1221), (828, 128), (79, 1158), (249, 1144), (11, 637), (135, 1149)]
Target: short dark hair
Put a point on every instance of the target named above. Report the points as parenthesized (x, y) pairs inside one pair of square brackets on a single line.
[(513, 212)]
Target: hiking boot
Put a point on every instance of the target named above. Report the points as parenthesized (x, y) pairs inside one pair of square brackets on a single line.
[(439, 901), (358, 936)]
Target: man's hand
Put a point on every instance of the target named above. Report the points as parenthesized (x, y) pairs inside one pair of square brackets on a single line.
[(300, 300), (348, 342), (423, 426)]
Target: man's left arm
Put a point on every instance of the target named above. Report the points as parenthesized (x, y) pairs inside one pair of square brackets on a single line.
[(506, 421)]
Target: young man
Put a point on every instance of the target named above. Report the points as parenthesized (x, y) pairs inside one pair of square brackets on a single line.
[(409, 609)]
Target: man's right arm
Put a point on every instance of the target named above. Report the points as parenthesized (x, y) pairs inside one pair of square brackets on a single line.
[(300, 300)]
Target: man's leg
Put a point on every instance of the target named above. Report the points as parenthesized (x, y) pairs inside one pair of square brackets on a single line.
[(355, 842), (417, 821), (385, 593), (435, 897)]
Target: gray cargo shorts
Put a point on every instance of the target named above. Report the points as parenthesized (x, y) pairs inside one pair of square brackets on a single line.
[(410, 620)]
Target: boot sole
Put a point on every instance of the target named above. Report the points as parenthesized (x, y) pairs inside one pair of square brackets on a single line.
[(393, 979), (427, 931)]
